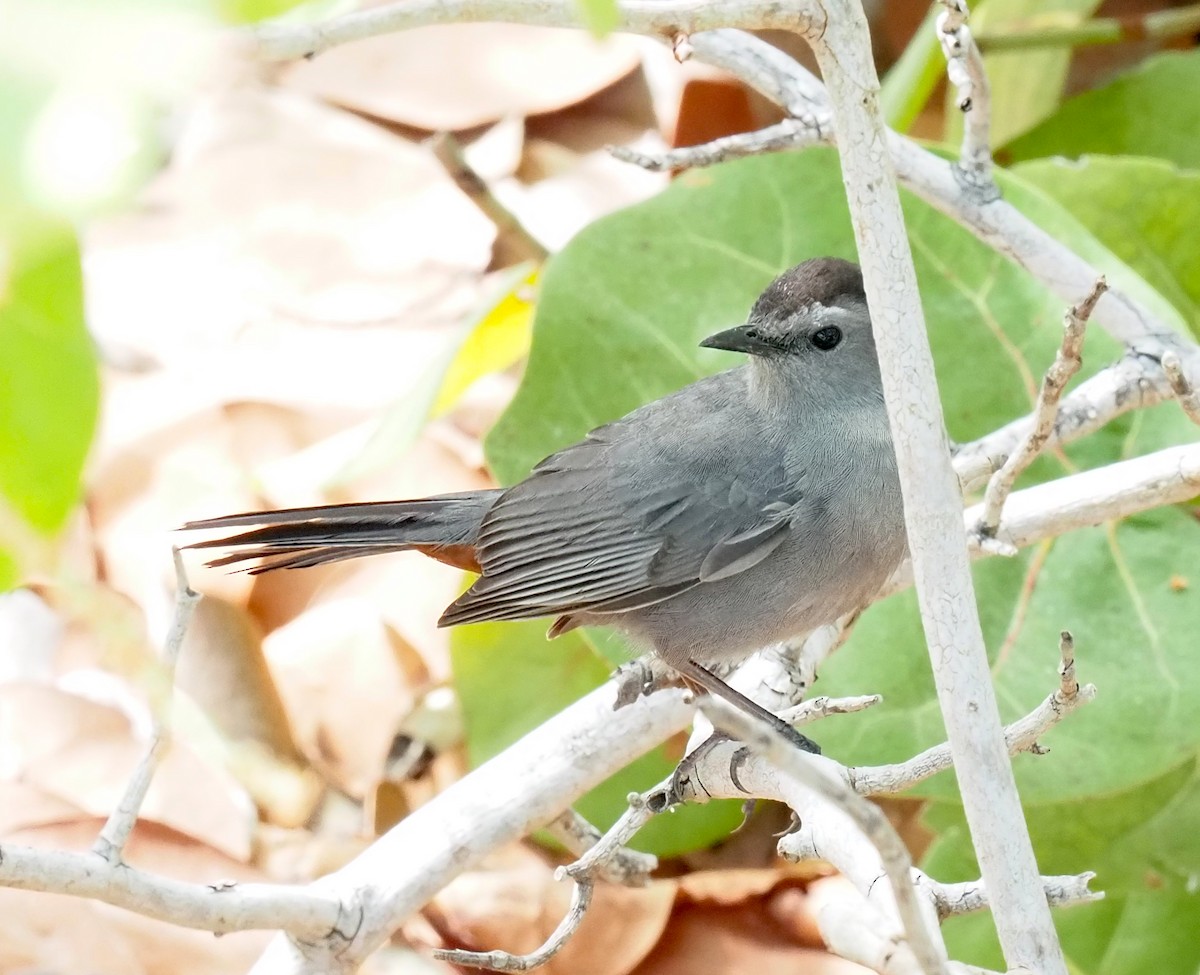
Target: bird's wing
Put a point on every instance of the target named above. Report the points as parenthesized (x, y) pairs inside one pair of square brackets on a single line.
[(601, 527)]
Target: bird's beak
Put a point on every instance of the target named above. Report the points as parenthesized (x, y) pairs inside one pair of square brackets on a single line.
[(742, 338)]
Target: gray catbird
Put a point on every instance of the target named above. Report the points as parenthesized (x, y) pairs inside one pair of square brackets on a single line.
[(749, 507)]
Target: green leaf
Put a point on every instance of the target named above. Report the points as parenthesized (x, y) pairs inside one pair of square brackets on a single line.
[(1154, 931), (1026, 85), (252, 11), (1145, 210), (599, 16), (49, 389), (912, 79), (511, 679), (1151, 111), (621, 312), (1145, 837)]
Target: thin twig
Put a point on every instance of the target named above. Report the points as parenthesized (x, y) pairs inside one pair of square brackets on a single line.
[(514, 244), (788, 134), (857, 930), (1135, 382), (970, 896), (964, 66), (1181, 386), (1020, 736), (765, 742), (622, 865), (1067, 362), (503, 961), (641, 808), (110, 844), (822, 707)]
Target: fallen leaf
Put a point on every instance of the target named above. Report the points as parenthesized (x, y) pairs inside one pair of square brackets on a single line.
[(459, 76), (741, 939), (83, 753), (514, 903), (344, 692)]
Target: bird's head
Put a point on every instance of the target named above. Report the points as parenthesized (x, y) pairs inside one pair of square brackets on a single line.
[(812, 317)]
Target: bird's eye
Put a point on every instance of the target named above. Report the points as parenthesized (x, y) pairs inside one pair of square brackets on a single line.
[(826, 338)]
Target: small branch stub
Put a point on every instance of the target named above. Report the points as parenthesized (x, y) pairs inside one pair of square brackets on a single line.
[(681, 47), (964, 68), (110, 844), (1181, 386)]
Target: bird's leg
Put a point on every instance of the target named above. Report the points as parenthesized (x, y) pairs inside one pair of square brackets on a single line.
[(692, 672)]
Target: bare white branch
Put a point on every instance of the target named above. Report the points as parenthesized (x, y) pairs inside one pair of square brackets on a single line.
[(821, 777), (110, 844), (855, 929), (1109, 493), (622, 865), (642, 807), (1067, 361), (667, 19), (970, 896), (304, 912), (964, 66), (941, 567)]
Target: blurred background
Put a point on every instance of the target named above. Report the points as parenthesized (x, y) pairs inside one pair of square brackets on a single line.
[(227, 284)]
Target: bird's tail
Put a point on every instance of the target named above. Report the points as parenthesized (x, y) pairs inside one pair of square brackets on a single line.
[(445, 527)]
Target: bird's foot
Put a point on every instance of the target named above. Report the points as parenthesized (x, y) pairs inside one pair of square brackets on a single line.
[(639, 678)]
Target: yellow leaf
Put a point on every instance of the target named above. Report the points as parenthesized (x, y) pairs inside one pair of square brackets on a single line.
[(499, 338)]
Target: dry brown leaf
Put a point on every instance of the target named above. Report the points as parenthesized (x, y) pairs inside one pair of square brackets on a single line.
[(343, 689), (83, 752), (146, 481), (280, 222), (723, 887), (496, 152), (222, 668), (69, 935), (741, 939), (459, 76), (793, 910), (300, 855), (24, 806), (514, 903)]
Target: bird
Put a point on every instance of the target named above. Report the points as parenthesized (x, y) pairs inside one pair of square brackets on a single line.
[(749, 507)]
